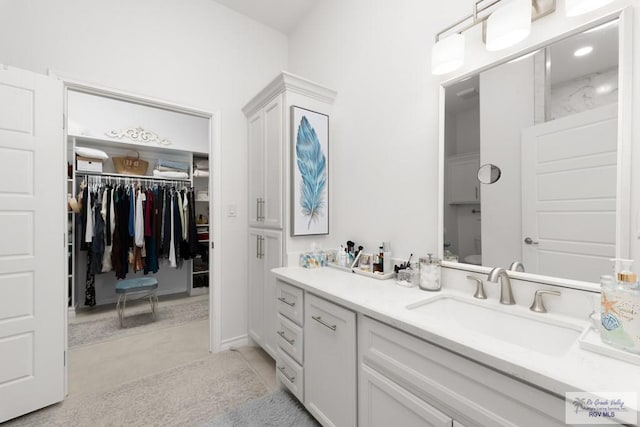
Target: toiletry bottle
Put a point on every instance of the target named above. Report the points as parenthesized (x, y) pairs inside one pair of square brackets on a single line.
[(620, 305), (377, 261), (341, 257)]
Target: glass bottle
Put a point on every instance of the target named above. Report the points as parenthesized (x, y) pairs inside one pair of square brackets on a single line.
[(430, 273)]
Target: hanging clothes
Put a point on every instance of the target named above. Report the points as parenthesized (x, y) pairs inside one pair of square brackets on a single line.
[(123, 207), (151, 258), (108, 214), (116, 248), (97, 244), (167, 227), (158, 200), (132, 211), (193, 230), (172, 233), (88, 232), (90, 283), (83, 218), (139, 219), (177, 230)]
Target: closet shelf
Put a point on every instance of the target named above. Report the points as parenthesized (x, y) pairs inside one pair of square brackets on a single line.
[(121, 175)]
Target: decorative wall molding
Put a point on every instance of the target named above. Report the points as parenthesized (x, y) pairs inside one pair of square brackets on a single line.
[(138, 134)]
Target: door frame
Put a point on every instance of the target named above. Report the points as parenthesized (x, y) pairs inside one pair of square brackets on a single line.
[(215, 200)]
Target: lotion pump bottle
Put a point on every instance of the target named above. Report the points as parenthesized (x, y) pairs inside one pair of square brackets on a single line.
[(620, 304)]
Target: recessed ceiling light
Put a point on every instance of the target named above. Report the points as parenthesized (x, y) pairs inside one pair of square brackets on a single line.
[(604, 89), (583, 51)]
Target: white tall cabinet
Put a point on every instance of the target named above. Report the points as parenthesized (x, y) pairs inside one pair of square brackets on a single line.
[(270, 147)]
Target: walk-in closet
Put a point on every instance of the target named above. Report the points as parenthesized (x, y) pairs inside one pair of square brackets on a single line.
[(139, 214)]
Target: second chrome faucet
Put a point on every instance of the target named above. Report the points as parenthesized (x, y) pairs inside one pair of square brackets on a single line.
[(506, 294)]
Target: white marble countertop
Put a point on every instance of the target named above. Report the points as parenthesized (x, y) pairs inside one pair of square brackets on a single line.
[(384, 300)]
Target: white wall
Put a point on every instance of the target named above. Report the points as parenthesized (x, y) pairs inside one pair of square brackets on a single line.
[(197, 53), (584, 93), (468, 131), (376, 54)]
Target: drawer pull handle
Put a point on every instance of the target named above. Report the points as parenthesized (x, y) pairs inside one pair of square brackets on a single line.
[(284, 337), (284, 300), (292, 379), (323, 323)]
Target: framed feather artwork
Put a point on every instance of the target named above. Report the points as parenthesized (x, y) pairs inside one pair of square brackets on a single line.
[(310, 172)]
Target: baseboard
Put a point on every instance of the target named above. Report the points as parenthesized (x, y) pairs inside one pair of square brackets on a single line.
[(241, 341), (72, 312)]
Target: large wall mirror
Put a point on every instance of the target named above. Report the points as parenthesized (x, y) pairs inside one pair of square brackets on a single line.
[(531, 160)]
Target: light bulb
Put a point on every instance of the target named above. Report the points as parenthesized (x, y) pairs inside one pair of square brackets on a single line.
[(447, 54), (509, 24), (578, 7)]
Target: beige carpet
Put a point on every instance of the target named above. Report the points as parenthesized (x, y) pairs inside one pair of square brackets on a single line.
[(192, 394), (138, 319)]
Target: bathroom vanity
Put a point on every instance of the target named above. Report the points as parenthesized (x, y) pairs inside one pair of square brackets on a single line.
[(359, 351)]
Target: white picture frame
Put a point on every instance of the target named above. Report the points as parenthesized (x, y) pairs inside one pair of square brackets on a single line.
[(309, 172)]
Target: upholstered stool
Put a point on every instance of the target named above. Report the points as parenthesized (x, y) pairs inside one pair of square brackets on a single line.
[(142, 285)]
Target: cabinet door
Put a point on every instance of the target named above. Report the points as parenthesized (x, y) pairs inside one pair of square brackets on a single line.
[(255, 287), (256, 167), (272, 258), (330, 362), (463, 178), (384, 403), (273, 146)]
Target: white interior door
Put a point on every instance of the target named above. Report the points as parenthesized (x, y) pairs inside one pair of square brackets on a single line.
[(569, 169), (32, 247)]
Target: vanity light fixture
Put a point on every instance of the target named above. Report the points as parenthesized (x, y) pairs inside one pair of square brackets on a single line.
[(579, 7), (447, 54), (583, 51), (505, 23), (509, 24)]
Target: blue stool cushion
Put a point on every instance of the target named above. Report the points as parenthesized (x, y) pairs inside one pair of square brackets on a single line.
[(136, 285)]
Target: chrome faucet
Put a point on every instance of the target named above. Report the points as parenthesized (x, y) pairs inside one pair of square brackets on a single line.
[(506, 295), (516, 266)]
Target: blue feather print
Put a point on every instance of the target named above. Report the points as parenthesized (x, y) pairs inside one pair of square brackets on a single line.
[(312, 167)]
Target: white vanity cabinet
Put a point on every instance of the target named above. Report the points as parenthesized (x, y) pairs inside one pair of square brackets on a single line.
[(423, 384), (265, 249), (266, 131), (464, 187), (330, 362), (289, 334)]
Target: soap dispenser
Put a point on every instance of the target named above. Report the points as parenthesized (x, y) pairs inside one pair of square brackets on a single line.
[(620, 305)]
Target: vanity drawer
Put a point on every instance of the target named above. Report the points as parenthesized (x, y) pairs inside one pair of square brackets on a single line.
[(289, 337), (290, 374), (463, 389), (290, 301)]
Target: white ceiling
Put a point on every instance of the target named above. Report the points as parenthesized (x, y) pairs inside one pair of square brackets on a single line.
[(283, 15)]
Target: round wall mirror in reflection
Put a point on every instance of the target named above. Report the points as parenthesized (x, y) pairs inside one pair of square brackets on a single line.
[(488, 174)]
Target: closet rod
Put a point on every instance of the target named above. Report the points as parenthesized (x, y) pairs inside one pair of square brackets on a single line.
[(131, 177)]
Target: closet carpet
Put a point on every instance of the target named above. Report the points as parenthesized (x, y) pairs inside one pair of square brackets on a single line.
[(137, 320), (192, 394)]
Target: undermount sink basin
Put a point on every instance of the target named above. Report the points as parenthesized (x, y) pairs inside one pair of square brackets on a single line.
[(538, 332)]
